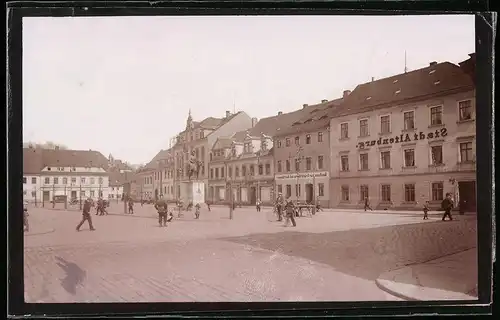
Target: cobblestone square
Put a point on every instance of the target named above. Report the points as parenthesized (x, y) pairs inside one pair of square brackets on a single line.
[(129, 258)]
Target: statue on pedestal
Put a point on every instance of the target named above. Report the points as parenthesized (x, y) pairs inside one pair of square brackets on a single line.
[(194, 165)]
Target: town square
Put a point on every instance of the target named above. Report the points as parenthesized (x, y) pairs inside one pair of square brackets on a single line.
[(235, 170)]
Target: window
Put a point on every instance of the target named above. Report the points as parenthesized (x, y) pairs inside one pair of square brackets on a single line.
[(268, 168), (280, 188), (385, 124), (320, 162), (409, 157), (212, 173), (308, 139), (409, 120), (261, 169), (203, 170), (237, 171), (436, 116), (437, 191), (278, 143), (82, 194), (409, 192), (363, 192), (345, 193), (24, 180), (82, 180), (386, 192), (385, 159), (363, 161), (56, 180), (363, 128), (287, 165), (297, 164), (308, 163), (244, 171), (65, 180), (437, 155), (101, 181), (321, 189), (25, 192), (230, 172), (287, 142), (344, 131), (288, 190), (252, 170), (33, 194), (320, 136), (202, 153), (466, 154), (222, 172), (297, 190), (344, 163), (33, 180), (297, 141), (92, 193), (202, 134), (279, 166), (465, 110)]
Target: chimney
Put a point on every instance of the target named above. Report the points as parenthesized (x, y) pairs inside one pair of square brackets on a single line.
[(305, 105), (254, 122), (433, 63), (373, 79), (347, 92), (324, 101), (280, 113), (228, 113)]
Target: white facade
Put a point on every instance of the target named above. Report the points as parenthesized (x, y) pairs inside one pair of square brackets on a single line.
[(115, 192), (31, 188)]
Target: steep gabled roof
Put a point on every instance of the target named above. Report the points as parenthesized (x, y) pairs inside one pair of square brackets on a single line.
[(161, 155), (434, 80), (32, 161), (73, 158)]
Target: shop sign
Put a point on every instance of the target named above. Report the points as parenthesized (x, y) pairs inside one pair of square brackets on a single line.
[(441, 133), (323, 174)]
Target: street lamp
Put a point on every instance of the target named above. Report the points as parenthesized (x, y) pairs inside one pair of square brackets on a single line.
[(258, 178)]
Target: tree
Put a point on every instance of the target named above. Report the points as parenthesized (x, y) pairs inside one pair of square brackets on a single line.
[(47, 145)]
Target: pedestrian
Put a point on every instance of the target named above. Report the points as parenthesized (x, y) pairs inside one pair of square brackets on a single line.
[(86, 215), (208, 205), (170, 216), (162, 208), (257, 205), (367, 204), (197, 208), (25, 217), (130, 206), (426, 210), (447, 205), (318, 205), (279, 206), (290, 212)]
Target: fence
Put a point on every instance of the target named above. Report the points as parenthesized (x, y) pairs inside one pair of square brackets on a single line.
[(62, 197)]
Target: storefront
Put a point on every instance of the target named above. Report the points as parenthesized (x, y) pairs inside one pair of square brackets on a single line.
[(305, 187)]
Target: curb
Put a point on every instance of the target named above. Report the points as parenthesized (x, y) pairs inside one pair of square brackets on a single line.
[(27, 234)]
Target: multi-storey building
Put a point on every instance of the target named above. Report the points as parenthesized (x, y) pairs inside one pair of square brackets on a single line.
[(243, 163), (199, 138), (406, 139), (163, 175), (73, 173), (142, 185), (301, 154)]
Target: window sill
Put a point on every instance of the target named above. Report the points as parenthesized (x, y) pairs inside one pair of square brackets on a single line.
[(345, 139), (467, 162), (436, 126), (384, 169), (409, 130), (362, 137), (436, 165), (363, 169), (465, 121), (385, 133), (345, 171), (409, 167), (409, 203), (345, 201)]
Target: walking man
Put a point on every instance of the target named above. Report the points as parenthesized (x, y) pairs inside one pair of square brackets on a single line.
[(257, 205), (367, 204), (426, 210), (290, 212), (197, 208), (86, 215), (162, 208), (130, 206), (279, 206), (447, 205), (25, 217)]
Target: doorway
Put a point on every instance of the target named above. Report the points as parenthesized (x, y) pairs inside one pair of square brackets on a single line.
[(309, 193), (73, 194), (46, 196), (253, 195), (467, 195)]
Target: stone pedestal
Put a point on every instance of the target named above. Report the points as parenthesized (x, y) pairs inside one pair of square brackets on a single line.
[(194, 192)]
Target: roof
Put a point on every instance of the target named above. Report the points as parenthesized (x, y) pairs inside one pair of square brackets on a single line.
[(212, 123), (32, 160), (318, 116), (161, 155), (118, 179), (434, 80), (223, 143)]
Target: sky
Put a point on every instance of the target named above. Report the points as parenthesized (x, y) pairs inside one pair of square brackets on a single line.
[(124, 85)]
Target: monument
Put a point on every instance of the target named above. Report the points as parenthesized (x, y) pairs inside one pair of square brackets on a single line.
[(195, 188)]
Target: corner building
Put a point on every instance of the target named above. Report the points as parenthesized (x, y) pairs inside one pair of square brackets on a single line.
[(404, 140)]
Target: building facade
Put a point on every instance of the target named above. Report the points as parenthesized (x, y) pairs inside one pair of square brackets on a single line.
[(76, 174), (242, 163), (301, 155), (404, 140)]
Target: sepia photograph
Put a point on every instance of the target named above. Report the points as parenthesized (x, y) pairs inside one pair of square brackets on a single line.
[(249, 158)]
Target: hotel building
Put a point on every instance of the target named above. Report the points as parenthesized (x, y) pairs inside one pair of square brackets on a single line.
[(406, 139)]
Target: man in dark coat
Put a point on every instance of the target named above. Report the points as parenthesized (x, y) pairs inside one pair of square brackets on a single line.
[(447, 205), (280, 202), (130, 206), (290, 212), (86, 215), (162, 207)]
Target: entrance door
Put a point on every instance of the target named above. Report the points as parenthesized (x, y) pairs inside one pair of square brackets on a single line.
[(309, 193), (46, 196), (467, 195), (73, 194), (253, 195)]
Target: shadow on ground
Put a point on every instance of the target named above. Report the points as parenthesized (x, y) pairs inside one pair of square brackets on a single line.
[(367, 253), (74, 275)]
